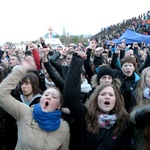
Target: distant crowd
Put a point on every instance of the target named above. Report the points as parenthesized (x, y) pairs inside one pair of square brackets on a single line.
[(140, 24)]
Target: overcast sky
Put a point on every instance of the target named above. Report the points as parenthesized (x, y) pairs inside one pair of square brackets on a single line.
[(30, 19)]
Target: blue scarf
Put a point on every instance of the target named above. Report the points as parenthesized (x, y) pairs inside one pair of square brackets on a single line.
[(48, 121)]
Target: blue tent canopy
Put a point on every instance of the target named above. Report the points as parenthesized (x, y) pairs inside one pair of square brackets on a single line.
[(131, 37)]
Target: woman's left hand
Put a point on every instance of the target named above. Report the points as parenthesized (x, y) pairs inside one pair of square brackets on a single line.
[(28, 64)]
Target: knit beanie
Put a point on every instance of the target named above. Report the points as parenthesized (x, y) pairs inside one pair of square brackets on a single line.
[(104, 70)]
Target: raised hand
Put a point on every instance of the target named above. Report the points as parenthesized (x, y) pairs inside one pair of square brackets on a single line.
[(44, 53), (81, 54), (28, 64)]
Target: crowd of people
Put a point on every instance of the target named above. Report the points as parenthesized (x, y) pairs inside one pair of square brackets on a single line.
[(140, 24), (84, 97)]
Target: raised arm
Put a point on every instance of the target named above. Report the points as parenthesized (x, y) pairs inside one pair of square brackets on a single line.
[(72, 87), (115, 63), (87, 65), (53, 59), (7, 102), (59, 82), (37, 59)]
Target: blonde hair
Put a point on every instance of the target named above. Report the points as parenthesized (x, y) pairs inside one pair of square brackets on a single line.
[(141, 86), (140, 100)]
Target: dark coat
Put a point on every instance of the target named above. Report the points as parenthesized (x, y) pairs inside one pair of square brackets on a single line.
[(59, 82), (128, 85), (140, 119), (62, 70), (80, 138)]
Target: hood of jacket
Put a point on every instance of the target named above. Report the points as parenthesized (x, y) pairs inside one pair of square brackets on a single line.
[(22, 98)]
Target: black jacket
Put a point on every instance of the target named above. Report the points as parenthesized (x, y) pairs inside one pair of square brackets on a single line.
[(128, 84), (62, 70), (80, 138), (59, 82)]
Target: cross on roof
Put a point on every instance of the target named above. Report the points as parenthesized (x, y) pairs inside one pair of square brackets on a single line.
[(50, 29)]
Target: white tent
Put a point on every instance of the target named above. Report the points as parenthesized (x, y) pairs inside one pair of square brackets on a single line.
[(54, 42)]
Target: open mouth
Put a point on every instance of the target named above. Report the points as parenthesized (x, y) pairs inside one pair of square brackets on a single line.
[(106, 102), (46, 104)]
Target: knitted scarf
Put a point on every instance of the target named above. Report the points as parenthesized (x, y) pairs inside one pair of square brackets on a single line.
[(48, 121), (106, 121), (146, 93)]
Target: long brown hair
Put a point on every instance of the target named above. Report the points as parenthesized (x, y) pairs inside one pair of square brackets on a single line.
[(93, 111)]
